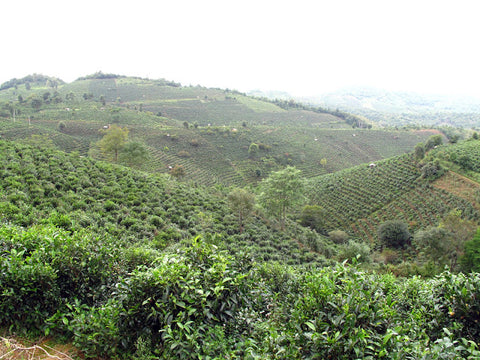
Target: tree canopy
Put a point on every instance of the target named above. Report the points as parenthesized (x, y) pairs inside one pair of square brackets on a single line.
[(280, 191), (394, 234), (114, 140), (241, 202)]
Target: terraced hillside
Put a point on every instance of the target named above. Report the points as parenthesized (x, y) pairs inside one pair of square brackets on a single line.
[(359, 199), (41, 185), (207, 131)]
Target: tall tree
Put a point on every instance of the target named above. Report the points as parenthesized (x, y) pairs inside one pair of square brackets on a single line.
[(241, 202), (280, 191), (134, 154), (432, 243), (114, 140), (419, 151), (470, 260), (460, 230)]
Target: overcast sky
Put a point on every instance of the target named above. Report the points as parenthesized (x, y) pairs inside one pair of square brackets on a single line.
[(303, 47)]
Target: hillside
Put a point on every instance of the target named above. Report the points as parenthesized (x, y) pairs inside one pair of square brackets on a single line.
[(207, 131), (124, 264), (41, 185), (120, 262), (368, 248), (359, 199)]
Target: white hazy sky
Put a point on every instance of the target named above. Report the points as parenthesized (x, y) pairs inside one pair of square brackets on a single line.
[(303, 47)]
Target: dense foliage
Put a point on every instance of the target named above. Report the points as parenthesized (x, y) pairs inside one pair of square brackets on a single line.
[(40, 185), (129, 264), (198, 302)]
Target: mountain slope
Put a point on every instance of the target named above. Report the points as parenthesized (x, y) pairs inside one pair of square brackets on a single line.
[(207, 131), (359, 199)]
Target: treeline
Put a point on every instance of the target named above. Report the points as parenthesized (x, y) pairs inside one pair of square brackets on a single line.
[(102, 76), (351, 119), (33, 79)]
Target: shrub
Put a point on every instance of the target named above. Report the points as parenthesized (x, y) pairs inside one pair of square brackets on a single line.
[(184, 154), (338, 236), (175, 304), (61, 126), (29, 293), (356, 252), (394, 234), (313, 216)]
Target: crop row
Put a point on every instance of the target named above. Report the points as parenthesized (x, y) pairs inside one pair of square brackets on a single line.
[(421, 207), (355, 193)]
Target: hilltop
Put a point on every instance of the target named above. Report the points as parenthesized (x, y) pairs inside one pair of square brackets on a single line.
[(207, 131)]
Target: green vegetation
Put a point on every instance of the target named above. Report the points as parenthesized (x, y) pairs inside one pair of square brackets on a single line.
[(114, 302), (280, 192), (114, 141), (221, 127), (241, 228)]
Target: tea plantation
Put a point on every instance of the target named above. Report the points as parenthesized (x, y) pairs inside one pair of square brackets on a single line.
[(373, 254), (206, 131)]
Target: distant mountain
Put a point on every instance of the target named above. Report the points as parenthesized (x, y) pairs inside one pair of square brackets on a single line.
[(399, 108), (397, 101), (395, 108)]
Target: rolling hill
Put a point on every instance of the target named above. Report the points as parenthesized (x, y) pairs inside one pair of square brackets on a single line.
[(207, 131), (111, 259), (133, 263)]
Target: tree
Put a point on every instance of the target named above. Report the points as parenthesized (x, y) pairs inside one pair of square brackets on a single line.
[(338, 236), (241, 202), (114, 140), (433, 141), (460, 231), (394, 234), (70, 96), (466, 162), (355, 250), (313, 216), (432, 170), (470, 260), (36, 103), (280, 191), (432, 243), (87, 96), (252, 150), (134, 154), (61, 126), (419, 151)]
